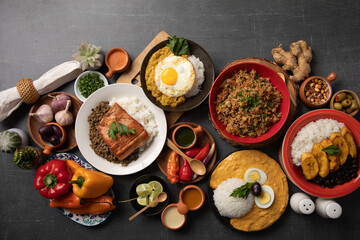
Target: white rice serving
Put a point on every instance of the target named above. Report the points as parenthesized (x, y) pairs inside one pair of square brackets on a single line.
[(141, 113), (199, 76), (232, 207), (313, 132)]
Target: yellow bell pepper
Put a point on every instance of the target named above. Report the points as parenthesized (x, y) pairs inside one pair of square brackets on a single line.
[(90, 184)]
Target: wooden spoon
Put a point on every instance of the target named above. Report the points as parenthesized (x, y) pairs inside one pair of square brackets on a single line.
[(197, 166), (161, 197)]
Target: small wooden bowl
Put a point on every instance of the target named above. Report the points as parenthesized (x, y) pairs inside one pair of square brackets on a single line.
[(332, 76), (202, 140), (354, 95), (48, 148), (34, 125)]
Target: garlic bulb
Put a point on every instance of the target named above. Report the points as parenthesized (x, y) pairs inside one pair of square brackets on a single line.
[(59, 101), (64, 117), (43, 114)]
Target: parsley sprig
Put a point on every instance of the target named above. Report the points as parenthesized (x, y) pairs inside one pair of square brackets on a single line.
[(119, 128), (179, 46), (332, 150), (243, 191)]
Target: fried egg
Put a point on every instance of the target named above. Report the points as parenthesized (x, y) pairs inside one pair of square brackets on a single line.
[(255, 175), (174, 76), (266, 197)]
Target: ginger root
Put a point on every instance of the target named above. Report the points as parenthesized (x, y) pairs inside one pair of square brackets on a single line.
[(297, 60)]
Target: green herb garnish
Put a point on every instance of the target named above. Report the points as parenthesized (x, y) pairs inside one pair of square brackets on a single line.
[(332, 150), (179, 46), (119, 128), (243, 191), (89, 83)]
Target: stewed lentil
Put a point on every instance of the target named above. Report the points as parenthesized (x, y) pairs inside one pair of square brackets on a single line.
[(317, 91), (248, 104), (97, 143)]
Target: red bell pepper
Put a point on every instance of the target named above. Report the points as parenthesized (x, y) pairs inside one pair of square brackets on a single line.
[(52, 179), (185, 173), (192, 152), (203, 153)]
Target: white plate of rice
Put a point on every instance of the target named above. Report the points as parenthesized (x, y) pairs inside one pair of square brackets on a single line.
[(137, 105)]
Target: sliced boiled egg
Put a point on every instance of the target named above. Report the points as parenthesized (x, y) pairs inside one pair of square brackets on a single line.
[(174, 76), (266, 197), (255, 175)]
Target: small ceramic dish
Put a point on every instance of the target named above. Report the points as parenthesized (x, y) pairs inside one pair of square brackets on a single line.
[(203, 138), (48, 147), (171, 218), (317, 94), (76, 84), (34, 124), (184, 136), (117, 60), (354, 97), (132, 194), (192, 196)]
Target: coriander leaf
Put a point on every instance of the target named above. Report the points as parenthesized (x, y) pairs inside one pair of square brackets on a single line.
[(172, 42), (184, 50), (332, 150), (179, 46), (113, 130), (243, 191)]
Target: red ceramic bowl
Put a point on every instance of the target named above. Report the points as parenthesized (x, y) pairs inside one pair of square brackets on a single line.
[(295, 173), (265, 72)]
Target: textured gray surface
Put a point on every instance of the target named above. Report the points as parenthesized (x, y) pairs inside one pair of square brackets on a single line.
[(38, 35)]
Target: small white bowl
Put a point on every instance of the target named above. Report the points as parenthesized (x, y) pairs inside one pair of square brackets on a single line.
[(76, 87)]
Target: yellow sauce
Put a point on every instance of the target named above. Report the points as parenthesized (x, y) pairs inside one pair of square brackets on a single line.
[(235, 165), (157, 57), (192, 198), (172, 218)]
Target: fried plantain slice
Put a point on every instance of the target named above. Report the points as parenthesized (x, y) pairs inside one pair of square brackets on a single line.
[(333, 159), (322, 160), (310, 166), (338, 140), (345, 132)]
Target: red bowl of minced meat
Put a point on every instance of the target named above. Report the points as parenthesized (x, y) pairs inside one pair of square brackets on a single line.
[(249, 104), (296, 139)]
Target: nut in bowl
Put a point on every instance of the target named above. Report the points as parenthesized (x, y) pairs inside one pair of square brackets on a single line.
[(316, 91), (261, 105), (346, 101), (335, 177)]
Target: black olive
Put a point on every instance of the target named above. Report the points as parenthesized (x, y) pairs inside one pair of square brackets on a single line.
[(46, 131), (256, 189), (57, 131), (54, 140)]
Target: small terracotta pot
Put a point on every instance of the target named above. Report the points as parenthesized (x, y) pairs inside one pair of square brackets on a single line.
[(163, 216), (48, 148), (117, 60), (196, 188), (332, 76), (353, 94), (196, 131)]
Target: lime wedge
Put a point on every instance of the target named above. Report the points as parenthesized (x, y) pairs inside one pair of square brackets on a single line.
[(143, 190), (143, 201), (152, 197), (156, 186)]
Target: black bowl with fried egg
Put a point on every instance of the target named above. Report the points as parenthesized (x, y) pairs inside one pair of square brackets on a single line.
[(191, 102)]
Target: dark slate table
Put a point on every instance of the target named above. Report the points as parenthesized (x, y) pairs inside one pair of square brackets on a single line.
[(38, 35)]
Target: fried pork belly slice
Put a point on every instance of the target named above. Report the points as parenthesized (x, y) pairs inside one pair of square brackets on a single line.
[(123, 145)]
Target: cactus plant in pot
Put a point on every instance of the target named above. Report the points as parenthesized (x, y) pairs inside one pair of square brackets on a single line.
[(27, 157), (90, 56)]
